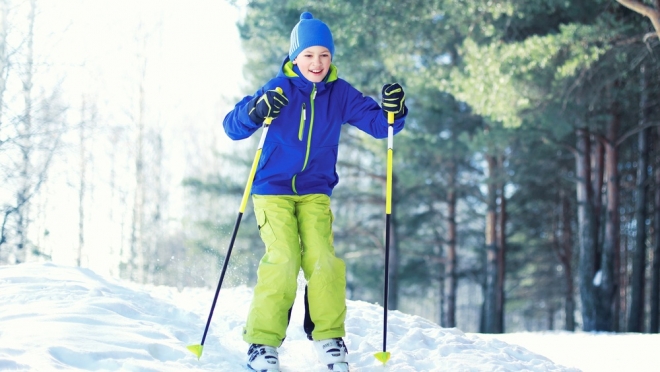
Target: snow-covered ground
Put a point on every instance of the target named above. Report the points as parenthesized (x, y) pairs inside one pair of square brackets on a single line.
[(56, 317)]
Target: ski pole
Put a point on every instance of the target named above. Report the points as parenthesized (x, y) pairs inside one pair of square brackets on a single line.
[(198, 348), (384, 355)]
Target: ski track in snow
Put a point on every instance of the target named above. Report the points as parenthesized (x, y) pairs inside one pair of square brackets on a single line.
[(63, 318)]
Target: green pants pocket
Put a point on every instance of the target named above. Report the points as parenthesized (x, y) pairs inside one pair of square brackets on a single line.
[(265, 229)]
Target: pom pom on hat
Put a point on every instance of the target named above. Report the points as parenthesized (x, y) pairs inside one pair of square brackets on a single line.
[(310, 32)]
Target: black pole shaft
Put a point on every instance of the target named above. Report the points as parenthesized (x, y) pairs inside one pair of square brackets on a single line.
[(387, 279), (222, 274)]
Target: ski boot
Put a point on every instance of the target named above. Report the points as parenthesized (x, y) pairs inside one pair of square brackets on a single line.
[(332, 352), (263, 358)]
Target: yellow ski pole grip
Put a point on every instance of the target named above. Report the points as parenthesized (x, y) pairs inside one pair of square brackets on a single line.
[(390, 154)]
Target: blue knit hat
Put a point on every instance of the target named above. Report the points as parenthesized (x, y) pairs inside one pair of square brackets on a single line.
[(310, 32)]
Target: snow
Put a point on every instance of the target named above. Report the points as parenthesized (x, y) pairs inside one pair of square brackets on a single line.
[(55, 317)]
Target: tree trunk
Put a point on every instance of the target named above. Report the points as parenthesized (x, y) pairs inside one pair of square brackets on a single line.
[(597, 177), (82, 185), (501, 245), (551, 318), (611, 243), (655, 283), (586, 235), (4, 63), (4, 66), (442, 283), (25, 144), (451, 247), (490, 297), (636, 315), (137, 262), (156, 231), (566, 259), (624, 280)]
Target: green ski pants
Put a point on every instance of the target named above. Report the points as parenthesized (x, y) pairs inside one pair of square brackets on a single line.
[(297, 232)]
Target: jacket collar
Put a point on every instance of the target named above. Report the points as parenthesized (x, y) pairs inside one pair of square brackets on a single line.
[(290, 71)]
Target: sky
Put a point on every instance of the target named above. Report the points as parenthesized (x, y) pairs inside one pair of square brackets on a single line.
[(63, 318)]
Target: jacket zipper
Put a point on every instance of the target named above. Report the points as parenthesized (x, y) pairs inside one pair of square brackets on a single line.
[(309, 136), (303, 117)]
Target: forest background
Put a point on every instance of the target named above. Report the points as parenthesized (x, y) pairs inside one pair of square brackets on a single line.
[(526, 183)]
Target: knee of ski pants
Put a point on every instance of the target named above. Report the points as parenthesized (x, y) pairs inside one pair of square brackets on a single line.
[(315, 221)]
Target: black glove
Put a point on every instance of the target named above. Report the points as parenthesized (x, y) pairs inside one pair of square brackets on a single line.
[(393, 100), (266, 106)]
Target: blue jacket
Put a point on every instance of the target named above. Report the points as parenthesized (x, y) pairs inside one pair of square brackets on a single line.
[(299, 155)]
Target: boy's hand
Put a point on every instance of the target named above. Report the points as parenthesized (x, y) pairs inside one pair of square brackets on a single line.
[(266, 106), (393, 100)]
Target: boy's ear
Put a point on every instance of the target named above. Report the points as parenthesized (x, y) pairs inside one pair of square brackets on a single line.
[(295, 61)]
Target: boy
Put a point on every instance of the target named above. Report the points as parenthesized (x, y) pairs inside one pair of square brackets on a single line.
[(292, 187)]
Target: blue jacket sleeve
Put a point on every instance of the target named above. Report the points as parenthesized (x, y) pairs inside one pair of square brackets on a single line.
[(237, 123), (364, 113)]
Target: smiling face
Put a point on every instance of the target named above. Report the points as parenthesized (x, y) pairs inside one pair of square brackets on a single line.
[(314, 63)]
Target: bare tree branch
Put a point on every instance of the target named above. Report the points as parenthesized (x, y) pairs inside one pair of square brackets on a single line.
[(645, 10), (634, 131)]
